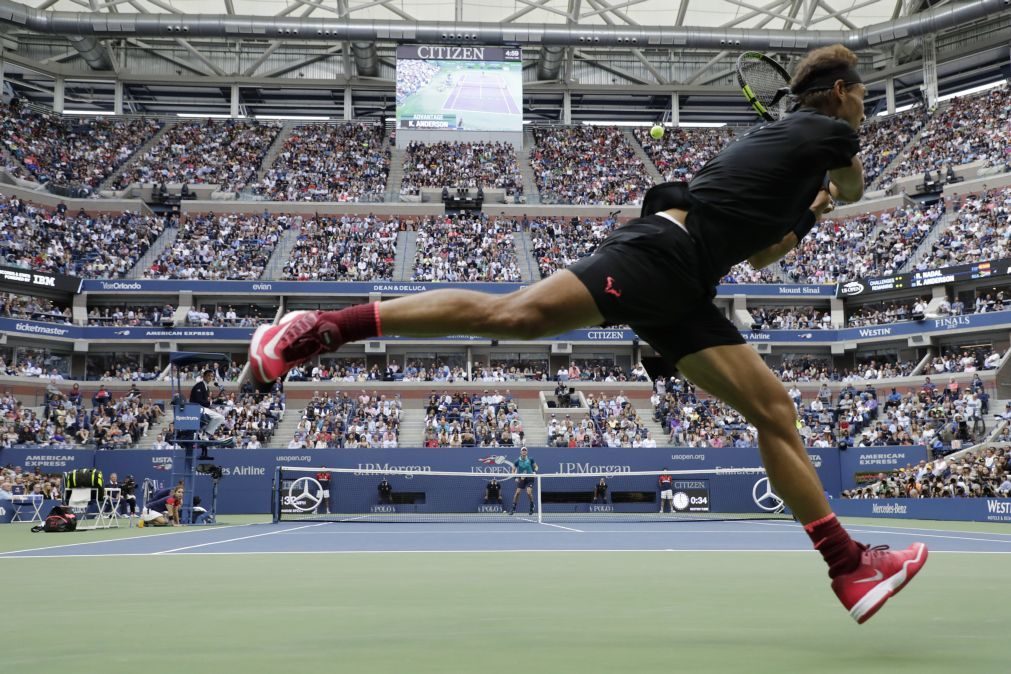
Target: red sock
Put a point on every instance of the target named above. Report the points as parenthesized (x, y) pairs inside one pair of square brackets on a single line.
[(352, 324), (841, 553)]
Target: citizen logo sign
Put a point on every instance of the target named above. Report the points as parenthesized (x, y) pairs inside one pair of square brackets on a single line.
[(952, 322), (605, 334), (852, 288), (452, 53)]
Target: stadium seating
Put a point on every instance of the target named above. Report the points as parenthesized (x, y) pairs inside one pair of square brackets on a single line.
[(343, 162), (347, 248), (568, 167), (466, 248), (445, 164), (71, 150), (102, 246), (226, 153), (219, 247)]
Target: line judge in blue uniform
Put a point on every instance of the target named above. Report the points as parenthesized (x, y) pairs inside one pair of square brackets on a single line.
[(524, 466)]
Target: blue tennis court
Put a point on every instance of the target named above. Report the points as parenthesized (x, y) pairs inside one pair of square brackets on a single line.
[(519, 534)]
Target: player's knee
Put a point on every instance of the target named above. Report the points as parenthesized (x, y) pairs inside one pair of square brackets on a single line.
[(774, 412)]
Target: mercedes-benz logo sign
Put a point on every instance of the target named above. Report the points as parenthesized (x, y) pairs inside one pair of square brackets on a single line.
[(765, 498), (305, 494)]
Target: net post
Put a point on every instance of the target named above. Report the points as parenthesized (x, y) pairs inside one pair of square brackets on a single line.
[(540, 508), (275, 501)]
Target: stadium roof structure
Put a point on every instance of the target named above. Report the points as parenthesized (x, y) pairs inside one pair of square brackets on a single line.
[(583, 59)]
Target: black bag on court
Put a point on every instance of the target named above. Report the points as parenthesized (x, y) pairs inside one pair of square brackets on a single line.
[(58, 521), (85, 477)]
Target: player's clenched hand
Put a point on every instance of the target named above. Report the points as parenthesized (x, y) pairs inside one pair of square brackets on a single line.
[(822, 204)]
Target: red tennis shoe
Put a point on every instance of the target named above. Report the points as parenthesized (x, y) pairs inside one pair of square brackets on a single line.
[(881, 574), (298, 336)]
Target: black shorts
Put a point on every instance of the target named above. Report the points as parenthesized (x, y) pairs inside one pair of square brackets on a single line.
[(647, 274), (524, 483)]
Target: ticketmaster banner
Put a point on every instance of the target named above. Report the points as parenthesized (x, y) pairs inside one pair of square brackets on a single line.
[(958, 509)]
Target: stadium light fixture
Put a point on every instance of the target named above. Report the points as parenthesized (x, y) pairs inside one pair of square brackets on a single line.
[(295, 118), (89, 112), (972, 90), (901, 108), (701, 125), (207, 115)]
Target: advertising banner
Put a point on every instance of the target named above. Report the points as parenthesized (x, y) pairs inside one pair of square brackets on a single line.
[(956, 509), (930, 277), (858, 461), (22, 280)]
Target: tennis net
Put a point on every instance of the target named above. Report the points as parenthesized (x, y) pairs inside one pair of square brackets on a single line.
[(363, 495)]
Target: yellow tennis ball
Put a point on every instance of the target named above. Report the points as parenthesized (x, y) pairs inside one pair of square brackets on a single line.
[(656, 132)]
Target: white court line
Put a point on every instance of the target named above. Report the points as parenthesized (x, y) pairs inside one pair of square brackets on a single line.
[(232, 540), (524, 532), (892, 527), (916, 533), (470, 552), (557, 526), (133, 538)]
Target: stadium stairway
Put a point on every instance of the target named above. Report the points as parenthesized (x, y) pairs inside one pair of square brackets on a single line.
[(529, 271), (285, 430), (530, 190), (396, 176), (159, 246), (281, 254), (156, 428), (942, 225), (107, 183), (643, 157), (274, 150), (407, 248), (535, 433), (412, 426), (646, 414)]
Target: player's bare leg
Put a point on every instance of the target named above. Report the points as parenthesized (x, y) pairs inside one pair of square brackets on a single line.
[(558, 303), (548, 307), (863, 578)]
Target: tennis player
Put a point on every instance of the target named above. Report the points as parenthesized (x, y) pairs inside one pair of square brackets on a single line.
[(666, 484), (753, 201), (524, 466)]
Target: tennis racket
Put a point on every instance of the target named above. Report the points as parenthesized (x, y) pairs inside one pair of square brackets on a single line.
[(765, 84)]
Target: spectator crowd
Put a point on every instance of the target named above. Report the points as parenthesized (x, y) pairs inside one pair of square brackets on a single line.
[(343, 248), (445, 164), (327, 162), (467, 248)]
